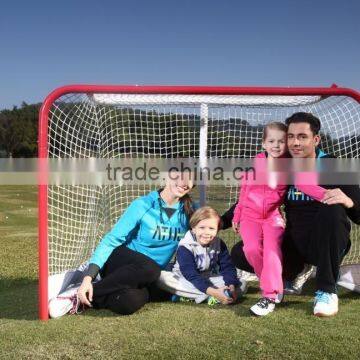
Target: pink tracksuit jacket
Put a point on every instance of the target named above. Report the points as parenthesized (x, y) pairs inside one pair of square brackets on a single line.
[(262, 226)]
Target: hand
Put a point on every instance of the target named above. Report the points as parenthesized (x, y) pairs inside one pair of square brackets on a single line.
[(85, 292), (336, 196), (219, 295), (235, 226)]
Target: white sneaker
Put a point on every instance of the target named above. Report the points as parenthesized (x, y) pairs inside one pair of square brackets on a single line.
[(66, 302), (263, 307), (325, 304)]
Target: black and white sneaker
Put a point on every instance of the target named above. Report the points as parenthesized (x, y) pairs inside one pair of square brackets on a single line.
[(263, 307)]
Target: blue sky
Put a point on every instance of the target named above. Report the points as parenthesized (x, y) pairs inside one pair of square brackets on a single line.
[(45, 45)]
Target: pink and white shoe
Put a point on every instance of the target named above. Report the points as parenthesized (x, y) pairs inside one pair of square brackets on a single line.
[(66, 302)]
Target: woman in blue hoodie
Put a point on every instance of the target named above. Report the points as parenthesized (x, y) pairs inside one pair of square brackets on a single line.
[(130, 257)]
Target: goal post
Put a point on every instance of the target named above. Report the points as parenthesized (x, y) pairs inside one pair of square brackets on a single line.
[(162, 122)]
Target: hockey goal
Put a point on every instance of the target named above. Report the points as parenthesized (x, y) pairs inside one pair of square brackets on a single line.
[(162, 122)]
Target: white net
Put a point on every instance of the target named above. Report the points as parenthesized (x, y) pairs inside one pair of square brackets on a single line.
[(164, 126)]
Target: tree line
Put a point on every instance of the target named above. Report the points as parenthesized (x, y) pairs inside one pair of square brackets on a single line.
[(18, 131), (127, 131)]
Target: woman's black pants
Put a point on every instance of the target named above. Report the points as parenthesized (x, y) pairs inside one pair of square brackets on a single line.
[(126, 278)]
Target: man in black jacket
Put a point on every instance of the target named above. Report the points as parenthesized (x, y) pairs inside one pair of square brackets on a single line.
[(317, 233)]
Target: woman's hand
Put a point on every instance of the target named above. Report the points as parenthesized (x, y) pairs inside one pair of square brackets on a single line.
[(85, 292), (220, 295)]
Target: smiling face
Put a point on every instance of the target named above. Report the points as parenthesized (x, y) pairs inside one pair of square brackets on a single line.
[(179, 184), (275, 143), (301, 141), (206, 230)]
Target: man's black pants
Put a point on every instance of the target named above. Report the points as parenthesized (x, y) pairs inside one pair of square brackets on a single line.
[(323, 242), (126, 277)]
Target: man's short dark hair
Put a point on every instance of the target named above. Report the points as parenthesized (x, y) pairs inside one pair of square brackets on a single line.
[(303, 117)]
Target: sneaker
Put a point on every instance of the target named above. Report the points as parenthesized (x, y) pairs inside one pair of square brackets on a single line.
[(66, 302), (290, 289), (263, 307), (212, 301), (325, 304), (244, 275), (295, 287), (175, 298), (279, 298), (303, 277)]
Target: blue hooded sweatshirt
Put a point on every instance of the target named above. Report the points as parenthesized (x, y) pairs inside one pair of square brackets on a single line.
[(146, 228)]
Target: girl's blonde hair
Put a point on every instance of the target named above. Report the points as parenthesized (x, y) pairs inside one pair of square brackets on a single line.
[(203, 213), (276, 125)]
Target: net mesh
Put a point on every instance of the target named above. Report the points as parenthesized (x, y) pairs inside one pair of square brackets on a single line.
[(124, 126)]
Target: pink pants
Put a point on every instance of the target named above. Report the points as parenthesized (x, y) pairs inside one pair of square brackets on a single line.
[(262, 247)]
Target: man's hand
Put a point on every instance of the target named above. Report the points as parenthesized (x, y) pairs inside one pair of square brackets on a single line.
[(336, 196)]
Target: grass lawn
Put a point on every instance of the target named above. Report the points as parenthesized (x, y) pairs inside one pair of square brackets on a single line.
[(159, 330)]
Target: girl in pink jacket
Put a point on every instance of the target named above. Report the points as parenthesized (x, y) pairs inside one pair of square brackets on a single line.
[(258, 220)]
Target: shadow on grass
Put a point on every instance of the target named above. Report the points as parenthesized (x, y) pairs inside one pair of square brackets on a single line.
[(155, 303), (348, 294), (100, 313), (18, 299)]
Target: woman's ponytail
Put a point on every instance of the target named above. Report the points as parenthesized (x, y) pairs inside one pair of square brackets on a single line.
[(188, 205)]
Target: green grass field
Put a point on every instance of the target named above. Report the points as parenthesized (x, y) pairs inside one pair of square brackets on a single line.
[(159, 330)]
